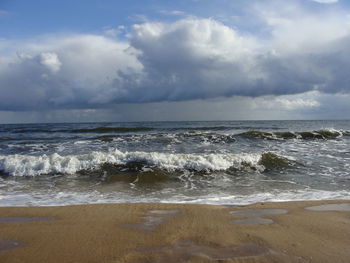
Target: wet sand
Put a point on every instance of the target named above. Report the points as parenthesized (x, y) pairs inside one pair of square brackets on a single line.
[(177, 233)]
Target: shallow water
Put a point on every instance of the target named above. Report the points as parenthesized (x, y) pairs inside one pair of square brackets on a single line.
[(184, 250), (165, 212), (149, 223), (226, 162), (258, 212), (6, 245), (330, 207), (24, 219)]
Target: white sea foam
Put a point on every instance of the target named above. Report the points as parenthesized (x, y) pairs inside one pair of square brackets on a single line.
[(54, 198), (26, 165)]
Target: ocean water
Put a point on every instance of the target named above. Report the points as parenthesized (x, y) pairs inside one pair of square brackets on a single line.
[(222, 162)]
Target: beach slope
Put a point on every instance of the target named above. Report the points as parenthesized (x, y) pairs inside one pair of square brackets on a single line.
[(262, 232)]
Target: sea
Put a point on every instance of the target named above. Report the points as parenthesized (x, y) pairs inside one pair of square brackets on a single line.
[(216, 162)]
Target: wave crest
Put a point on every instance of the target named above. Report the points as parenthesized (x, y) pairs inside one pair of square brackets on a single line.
[(319, 134), (24, 165)]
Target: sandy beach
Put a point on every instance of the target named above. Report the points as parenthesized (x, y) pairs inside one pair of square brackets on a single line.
[(262, 232)]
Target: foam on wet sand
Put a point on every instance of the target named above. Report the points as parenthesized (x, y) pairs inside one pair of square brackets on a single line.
[(176, 233)]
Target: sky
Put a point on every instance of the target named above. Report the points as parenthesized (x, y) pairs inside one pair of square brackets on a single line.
[(162, 60)]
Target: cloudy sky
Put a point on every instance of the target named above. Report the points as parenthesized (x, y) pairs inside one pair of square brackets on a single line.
[(116, 60)]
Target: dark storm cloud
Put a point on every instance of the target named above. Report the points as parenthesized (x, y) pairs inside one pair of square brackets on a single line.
[(185, 60)]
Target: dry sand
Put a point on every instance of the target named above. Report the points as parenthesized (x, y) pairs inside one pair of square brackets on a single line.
[(175, 233)]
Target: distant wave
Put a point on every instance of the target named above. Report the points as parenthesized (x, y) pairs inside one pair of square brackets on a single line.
[(112, 129), (31, 130), (86, 130), (135, 129), (199, 128), (210, 132), (7, 138), (320, 134), (26, 165), (214, 137), (203, 128)]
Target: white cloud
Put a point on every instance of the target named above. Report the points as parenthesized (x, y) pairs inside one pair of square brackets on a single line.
[(297, 103), (64, 71), (189, 59), (295, 30), (115, 31), (326, 1), (51, 61)]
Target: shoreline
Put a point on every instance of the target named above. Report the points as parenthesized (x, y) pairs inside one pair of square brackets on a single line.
[(158, 232)]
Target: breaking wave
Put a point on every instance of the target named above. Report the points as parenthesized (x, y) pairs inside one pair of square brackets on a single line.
[(25, 165), (320, 134), (215, 137)]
